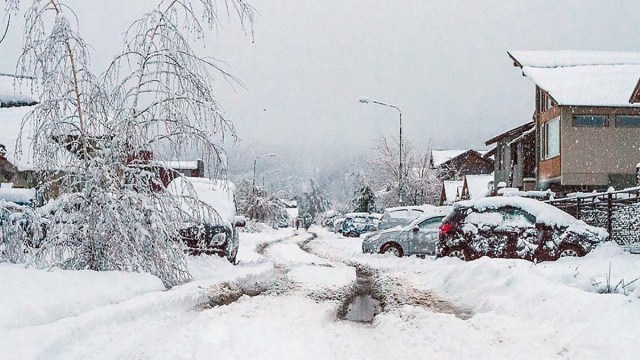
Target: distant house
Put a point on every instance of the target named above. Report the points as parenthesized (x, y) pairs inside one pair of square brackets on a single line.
[(587, 119), (476, 187), (451, 192), (191, 168), (515, 157), (455, 164)]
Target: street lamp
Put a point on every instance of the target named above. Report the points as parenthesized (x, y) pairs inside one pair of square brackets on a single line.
[(255, 162), (366, 100), (268, 173)]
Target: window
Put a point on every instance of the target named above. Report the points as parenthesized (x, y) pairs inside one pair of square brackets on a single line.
[(550, 139), (590, 120), (432, 223), (627, 121)]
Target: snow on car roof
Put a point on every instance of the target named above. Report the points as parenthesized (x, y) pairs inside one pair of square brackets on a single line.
[(423, 208), (543, 212), (219, 194), (362, 214)]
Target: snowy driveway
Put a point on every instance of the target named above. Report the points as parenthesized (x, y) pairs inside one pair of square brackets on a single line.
[(286, 297)]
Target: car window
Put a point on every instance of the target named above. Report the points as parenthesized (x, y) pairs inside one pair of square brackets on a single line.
[(489, 217), (518, 218), (432, 223)]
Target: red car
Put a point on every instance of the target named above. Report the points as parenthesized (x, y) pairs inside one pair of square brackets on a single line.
[(514, 227)]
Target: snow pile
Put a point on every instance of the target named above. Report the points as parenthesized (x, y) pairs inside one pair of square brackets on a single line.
[(32, 297), (16, 195)]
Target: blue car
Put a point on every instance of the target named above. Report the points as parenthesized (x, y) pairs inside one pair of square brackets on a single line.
[(356, 224)]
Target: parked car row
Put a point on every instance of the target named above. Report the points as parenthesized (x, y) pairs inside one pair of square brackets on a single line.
[(499, 227)]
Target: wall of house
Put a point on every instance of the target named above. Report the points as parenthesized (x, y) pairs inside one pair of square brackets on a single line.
[(590, 154)]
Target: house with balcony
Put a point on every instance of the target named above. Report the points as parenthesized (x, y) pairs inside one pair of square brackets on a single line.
[(587, 129)]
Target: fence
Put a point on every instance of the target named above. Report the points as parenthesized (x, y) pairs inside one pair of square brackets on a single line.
[(617, 211)]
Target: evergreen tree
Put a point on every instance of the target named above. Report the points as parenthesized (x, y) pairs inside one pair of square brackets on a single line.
[(364, 200), (313, 201)]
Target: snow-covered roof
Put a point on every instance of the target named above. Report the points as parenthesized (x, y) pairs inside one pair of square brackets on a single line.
[(422, 208), (452, 190), (181, 164), (441, 156), (478, 185), (582, 78), (15, 91)]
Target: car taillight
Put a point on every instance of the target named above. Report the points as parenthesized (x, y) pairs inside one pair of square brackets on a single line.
[(445, 228)]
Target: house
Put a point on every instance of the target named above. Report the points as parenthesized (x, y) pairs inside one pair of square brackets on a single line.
[(587, 120), (16, 101), (476, 186), (451, 192), (190, 168), (455, 164), (515, 157)]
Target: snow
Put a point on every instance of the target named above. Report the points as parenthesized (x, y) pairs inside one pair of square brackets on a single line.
[(583, 78), (14, 90), (452, 190), (602, 85), (439, 157), (543, 212), (478, 185), (181, 164), (19, 149), (16, 195), (566, 58), (544, 311), (219, 194)]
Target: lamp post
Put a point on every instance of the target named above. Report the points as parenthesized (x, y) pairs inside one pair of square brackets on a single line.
[(255, 162), (268, 173), (366, 100)]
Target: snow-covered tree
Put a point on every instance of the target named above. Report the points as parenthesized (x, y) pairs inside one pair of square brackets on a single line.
[(313, 200), (420, 183), (364, 200), (94, 137), (259, 206)]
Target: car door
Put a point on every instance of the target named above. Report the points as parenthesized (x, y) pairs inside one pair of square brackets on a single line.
[(519, 228), (487, 238), (424, 236)]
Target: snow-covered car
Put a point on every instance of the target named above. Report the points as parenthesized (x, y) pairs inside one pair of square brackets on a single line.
[(514, 227), (356, 224), (401, 216), (337, 225), (418, 238), (213, 229)]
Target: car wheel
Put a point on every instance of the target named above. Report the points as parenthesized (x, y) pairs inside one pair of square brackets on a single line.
[(457, 252), (392, 248), (570, 251), (351, 234)]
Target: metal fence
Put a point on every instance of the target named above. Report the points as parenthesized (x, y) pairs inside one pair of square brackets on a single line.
[(617, 211)]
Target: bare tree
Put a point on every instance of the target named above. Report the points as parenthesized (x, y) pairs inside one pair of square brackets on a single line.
[(420, 181), (94, 136)]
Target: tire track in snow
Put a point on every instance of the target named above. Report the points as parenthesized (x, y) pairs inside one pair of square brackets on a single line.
[(391, 291)]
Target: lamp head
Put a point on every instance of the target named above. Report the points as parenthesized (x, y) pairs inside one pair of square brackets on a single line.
[(364, 100)]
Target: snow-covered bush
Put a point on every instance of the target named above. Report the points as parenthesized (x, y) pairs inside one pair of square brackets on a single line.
[(94, 137)]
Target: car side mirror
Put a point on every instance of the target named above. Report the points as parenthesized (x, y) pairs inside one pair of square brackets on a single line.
[(240, 221), (415, 229)]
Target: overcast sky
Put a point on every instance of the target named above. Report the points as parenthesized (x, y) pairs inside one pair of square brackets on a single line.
[(444, 63)]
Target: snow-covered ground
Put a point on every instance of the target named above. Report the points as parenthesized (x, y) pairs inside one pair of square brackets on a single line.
[(488, 308)]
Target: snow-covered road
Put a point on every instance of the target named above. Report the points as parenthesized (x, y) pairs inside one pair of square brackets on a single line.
[(286, 297)]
